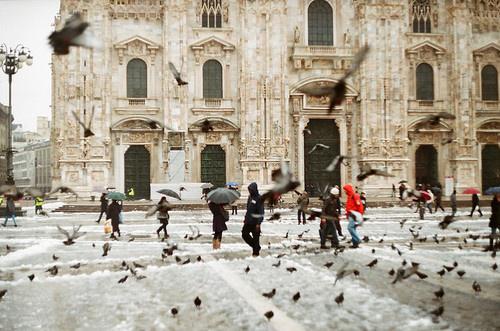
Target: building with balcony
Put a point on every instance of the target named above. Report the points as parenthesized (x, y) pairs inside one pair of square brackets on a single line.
[(247, 63)]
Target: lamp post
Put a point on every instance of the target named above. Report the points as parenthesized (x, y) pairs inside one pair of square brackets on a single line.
[(11, 60)]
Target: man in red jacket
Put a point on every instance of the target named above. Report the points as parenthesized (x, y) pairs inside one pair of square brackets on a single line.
[(353, 204)]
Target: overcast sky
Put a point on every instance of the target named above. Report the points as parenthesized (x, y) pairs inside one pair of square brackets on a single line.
[(28, 22)]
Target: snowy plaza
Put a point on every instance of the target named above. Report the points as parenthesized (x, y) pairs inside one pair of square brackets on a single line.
[(90, 297)]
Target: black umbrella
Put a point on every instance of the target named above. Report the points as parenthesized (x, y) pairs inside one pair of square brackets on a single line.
[(403, 181), (223, 196), (169, 193)]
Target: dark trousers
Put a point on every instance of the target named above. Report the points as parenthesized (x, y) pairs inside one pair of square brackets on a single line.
[(453, 210), (478, 209), (218, 235), (234, 210), (438, 205), (251, 235), (37, 209), (338, 227), (299, 213), (493, 232), (163, 227), (327, 229), (103, 212)]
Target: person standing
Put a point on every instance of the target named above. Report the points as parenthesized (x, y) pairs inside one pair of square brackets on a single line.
[(438, 200), (353, 204), (163, 216), (10, 211), (495, 218), (113, 213), (104, 206), (327, 225), (402, 189), (336, 192), (393, 191), (253, 219), (303, 203), (475, 203), (453, 202), (38, 204), (131, 193), (220, 217)]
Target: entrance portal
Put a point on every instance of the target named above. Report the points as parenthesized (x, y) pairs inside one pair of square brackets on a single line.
[(137, 168), (426, 165), (213, 165), (316, 178), (490, 164)]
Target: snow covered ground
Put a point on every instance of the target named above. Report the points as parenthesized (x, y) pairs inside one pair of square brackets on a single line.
[(90, 297)]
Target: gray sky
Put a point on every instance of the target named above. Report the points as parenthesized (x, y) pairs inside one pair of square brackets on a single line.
[(28, 22)]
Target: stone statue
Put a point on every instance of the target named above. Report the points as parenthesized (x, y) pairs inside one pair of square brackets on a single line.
[(347, 39), (225, 12), (296, 35)]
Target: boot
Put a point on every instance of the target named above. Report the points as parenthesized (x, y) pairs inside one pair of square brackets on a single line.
[(218, 243), (214, 244)]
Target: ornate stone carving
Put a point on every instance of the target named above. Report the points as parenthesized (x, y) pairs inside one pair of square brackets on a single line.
[(136, 47), (213, 137)]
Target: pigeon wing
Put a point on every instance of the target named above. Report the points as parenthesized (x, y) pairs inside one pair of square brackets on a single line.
[(64, 232), (358, 59), (174, 71)]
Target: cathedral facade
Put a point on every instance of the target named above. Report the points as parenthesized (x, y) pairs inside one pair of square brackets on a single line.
[(246, 63)]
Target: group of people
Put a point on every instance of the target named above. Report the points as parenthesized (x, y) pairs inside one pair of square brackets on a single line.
[(112, 212)]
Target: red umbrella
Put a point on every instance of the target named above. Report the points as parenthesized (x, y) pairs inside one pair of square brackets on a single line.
[(471, 190), (424, 195)]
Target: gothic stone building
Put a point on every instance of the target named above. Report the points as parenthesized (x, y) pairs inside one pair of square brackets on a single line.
[(247, 61)]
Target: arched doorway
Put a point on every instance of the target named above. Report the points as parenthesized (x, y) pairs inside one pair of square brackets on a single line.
[(327, 133), (137, 171), (213, 165), (490, 164), (426, 165)]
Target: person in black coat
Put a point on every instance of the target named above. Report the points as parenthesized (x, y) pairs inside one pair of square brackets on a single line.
[(163, 216), (475, 203), (104, 206), (113, 213), (253, 218), (220, 217), (327, 226), (495, 217)]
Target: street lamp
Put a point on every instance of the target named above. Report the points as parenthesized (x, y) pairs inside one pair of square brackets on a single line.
[(11, 60)]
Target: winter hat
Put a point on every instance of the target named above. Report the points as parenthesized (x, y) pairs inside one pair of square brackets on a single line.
[(334, 191)]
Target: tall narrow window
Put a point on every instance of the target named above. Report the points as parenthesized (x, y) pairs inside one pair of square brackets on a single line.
[(421, 16), (211, 13), (212, 79), (137, 77), (425, 82), (489, 83), (320, 23)]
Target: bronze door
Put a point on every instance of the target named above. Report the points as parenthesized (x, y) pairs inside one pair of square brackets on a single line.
[(137, 171), (490, 164), (316, 178), (213, 165), (426, 165)]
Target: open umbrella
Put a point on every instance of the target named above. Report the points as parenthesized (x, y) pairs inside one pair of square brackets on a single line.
[(232, 184), (206, 185), (223, 196), (116, 196), (169, 193), (424, 195), (403, 181), (471, 190), (493, 190), (436, 190)]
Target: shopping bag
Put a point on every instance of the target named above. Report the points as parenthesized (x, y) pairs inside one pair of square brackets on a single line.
[(107, 227)]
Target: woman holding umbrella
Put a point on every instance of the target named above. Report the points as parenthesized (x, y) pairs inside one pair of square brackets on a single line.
[(475, 201), (163, 216), (113, 213), (220, 217)]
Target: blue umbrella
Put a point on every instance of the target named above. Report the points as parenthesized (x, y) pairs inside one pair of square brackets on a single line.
[(231, 184), (493, 190)]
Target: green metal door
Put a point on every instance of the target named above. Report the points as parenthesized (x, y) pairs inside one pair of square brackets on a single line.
[(490, 164), (213, 165), (137, 168), (426, 165), (316, 178)]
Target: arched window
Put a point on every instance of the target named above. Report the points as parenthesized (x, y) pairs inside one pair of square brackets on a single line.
[(425, 82), (421, 15), (211, 13), (320, 23), (212, 79), (489, 83), (137, 79)]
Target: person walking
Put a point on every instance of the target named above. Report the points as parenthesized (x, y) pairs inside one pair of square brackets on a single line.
[(113, 213), (327, 224), (220, 217), (353, 204), (402, 189), (163, 216), (10, 211), (253, 219), (38, 204), (393, 191), (453, 203), (495, 218), (438, 200), (475, 203), (303, 203), (104, 206)]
